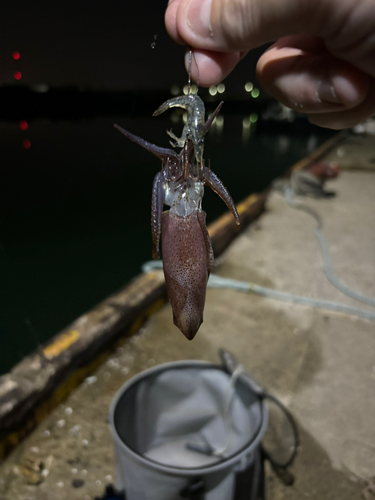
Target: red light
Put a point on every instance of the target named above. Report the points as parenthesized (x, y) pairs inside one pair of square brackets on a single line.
[(16, 56), (26, 144), (23, 125), (17, 75)]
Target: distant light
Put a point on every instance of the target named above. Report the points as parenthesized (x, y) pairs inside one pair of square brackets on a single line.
[(221, 88), (40, 88), (249, 86), (17, 75), (184, 117), (175, 118), (175, 90), (246, 122), (23, 125), (212, 90), (16, 56), (194, 89), (253, 118), (255, 93), (186, 90), (246, 129), (219, 120), (26, 144)]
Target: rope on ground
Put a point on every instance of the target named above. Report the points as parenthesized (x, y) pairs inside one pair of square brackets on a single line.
[(324, 247), (218, 282), (248, 287)]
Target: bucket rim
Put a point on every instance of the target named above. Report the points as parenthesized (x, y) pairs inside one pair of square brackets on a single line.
[(226, 463)]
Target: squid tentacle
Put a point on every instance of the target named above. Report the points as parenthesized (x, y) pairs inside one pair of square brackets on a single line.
[(212, 180), (157, 202)]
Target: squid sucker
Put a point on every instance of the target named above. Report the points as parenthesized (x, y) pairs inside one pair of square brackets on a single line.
[(186, 246)]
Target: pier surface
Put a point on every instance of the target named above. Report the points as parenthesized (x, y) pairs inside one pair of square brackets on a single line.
[(319, 363)]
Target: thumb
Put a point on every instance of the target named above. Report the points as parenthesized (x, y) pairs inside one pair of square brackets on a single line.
[(322, 62), (240, 25), (221, 32), (236, 26)]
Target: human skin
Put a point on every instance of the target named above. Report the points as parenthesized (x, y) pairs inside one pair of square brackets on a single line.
[(322, 61)]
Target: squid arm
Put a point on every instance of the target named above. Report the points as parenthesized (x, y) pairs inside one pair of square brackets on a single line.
[(157, 202), (213, 181), (163, 153), (208, 123)]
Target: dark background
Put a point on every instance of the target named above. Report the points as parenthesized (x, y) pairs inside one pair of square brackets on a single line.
[(105, 45), (75, 205)]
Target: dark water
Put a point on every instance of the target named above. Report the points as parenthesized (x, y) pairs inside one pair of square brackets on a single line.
[(75, 212)]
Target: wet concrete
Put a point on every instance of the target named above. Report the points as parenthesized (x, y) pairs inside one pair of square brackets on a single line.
[(319, 363)]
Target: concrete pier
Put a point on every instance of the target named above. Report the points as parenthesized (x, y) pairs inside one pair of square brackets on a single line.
[(320, 364)]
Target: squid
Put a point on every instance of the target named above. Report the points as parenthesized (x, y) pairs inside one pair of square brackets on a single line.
[(186, 246)]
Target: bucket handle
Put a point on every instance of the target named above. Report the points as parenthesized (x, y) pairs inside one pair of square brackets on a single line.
[(293, 425), (230, 364)]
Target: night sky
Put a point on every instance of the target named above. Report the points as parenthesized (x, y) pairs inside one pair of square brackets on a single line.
[(103, 45)]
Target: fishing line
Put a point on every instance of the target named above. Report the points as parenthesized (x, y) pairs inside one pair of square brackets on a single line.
[(196, 65), (190, 58), (189, 72)]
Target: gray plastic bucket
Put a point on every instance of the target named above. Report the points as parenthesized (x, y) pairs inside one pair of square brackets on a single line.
[(187, 429)]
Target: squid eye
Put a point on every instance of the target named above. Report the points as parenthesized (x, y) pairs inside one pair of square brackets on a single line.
[(171, 170)]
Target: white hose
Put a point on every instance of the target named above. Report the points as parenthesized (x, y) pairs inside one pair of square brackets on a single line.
[(324, 247), (218, 282), (244, 286)]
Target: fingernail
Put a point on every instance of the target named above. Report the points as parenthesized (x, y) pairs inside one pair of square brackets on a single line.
[(326, 92), (198, 17)]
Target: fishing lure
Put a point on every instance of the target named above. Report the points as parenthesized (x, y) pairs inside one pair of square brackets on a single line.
[(186, 246), (195, 127)]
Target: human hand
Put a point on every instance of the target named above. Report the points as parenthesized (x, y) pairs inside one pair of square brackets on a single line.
[(322, 64)]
